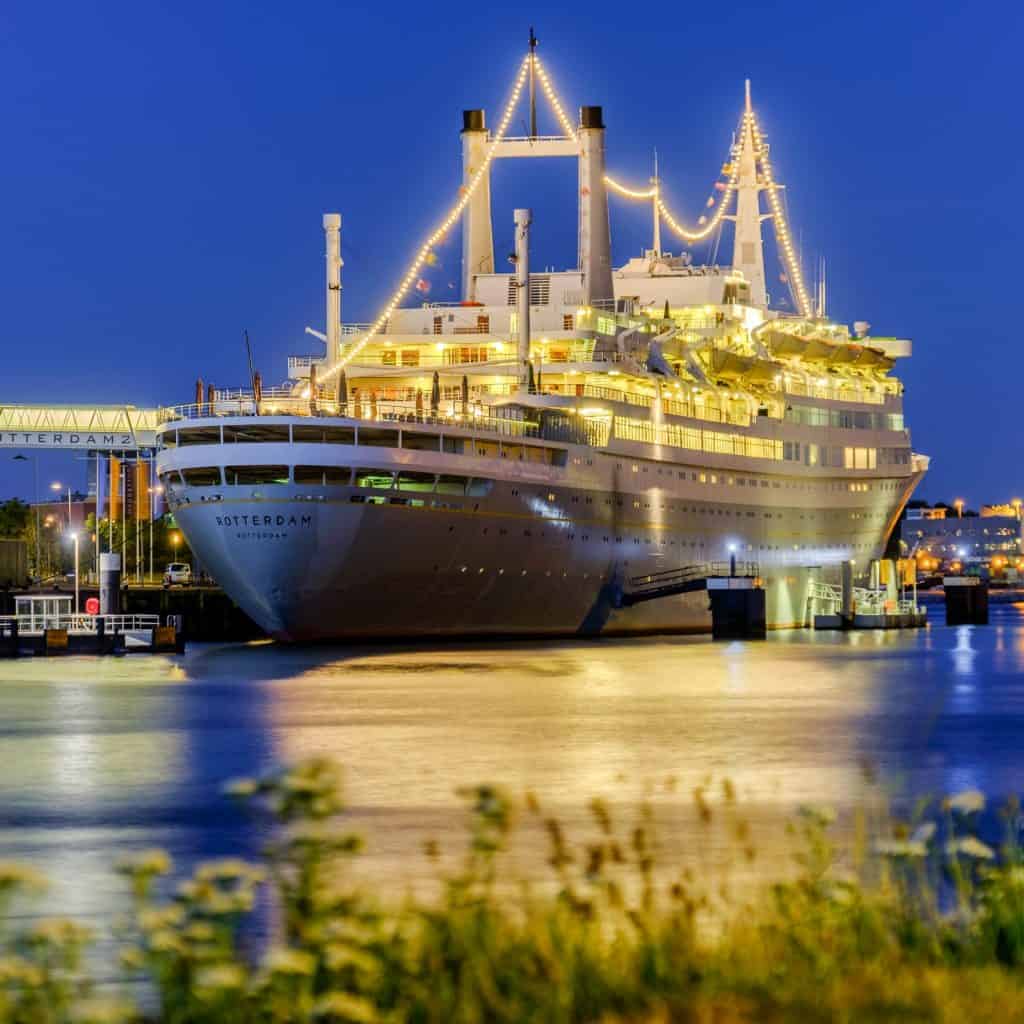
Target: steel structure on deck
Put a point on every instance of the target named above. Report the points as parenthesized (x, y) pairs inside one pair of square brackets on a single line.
[(96, 427)]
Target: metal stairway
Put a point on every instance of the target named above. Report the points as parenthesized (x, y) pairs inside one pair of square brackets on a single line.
[(683, 580)]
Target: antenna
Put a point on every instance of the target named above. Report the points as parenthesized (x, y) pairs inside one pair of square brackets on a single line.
[(533, 91), (248, 349), (656, 195)]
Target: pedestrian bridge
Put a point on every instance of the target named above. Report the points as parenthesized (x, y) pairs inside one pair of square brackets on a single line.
[(95, 427)]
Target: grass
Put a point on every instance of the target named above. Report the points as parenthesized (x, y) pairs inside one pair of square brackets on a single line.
[(912, 921)]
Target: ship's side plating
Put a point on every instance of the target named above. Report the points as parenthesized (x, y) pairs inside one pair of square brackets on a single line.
[(385, 537)]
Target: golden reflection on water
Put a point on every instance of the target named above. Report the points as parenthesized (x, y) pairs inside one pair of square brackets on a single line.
[(101, 756)]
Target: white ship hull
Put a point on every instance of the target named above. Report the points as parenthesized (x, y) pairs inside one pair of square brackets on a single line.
[(543, 552)]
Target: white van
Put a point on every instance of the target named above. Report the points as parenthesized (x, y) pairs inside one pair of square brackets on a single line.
[(178, 574)]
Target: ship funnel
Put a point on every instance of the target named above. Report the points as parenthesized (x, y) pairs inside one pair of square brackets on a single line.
[(595, 241), (477, 238), (332, 231), (523, 219)]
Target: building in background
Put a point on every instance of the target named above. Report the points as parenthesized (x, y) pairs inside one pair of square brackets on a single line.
[(994, 537)]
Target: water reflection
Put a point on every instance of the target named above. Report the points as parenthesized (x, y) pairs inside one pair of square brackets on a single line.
[(103, 756)]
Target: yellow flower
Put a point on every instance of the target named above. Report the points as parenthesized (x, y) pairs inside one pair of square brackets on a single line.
[(289, 961), (102, 1011), (13, 876), (345, 1006), (220, 977), (148, 862)]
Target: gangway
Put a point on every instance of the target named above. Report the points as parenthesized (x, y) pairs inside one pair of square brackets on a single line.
[(684, 580)]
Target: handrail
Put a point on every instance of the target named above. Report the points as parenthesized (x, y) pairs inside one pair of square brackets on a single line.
[(81, 623), (702, 570)]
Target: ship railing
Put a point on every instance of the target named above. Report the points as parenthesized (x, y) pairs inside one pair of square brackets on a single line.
[(863, 396), (363, 407), (79, 624)]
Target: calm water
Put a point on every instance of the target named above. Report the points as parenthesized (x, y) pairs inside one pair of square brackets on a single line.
[(98, 757)]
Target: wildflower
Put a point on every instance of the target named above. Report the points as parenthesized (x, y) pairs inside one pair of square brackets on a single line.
[(290, 961), (147, 863), (924, 832), (220, 978), (102, 1011), (242, 789), (229, 869), (59, 931), (819, 815), (200, 931), (132, 958), (15, 969), (16, 876), (969, 846), (901, 848), (967, 802), (154, 918), (345, 1006), (339, 956), (166, 941)]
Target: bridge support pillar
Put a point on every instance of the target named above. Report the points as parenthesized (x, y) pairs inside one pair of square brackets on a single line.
[(737, 609)]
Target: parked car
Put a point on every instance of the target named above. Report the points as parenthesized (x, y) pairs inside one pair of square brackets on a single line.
[(178, 574)]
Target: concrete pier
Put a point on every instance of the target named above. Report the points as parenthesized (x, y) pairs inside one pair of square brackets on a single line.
[(737, 608), (966, 601)]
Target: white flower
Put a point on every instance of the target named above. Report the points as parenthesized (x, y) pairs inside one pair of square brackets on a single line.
[(969, 846), (901, 848), (924, 833), (967, 802)]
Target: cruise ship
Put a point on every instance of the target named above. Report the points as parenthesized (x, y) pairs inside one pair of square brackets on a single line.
[(513, 462)]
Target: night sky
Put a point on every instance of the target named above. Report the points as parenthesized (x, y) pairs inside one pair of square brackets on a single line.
[(164, 168)]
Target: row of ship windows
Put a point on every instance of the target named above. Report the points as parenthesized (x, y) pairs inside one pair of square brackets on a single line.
[(705, 477), (843, 456), (367, 437), (846, 419), (343, 476), (431, 483)]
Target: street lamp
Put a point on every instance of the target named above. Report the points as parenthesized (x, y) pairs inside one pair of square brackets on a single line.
[(74, 537), (153, 491)]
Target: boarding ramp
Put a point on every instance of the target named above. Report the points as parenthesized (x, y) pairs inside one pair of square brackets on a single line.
[(684, 580)]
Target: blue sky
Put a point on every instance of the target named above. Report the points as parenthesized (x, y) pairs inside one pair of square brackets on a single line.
[(165, 167)]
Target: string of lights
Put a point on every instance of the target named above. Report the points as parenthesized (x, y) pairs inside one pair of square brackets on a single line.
[(552, 96), (466, 193), (782, 231), (630, 193)]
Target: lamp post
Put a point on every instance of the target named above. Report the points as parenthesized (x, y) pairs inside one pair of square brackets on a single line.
[(153, 491), (35, 475), (57, 486), (74, 537)]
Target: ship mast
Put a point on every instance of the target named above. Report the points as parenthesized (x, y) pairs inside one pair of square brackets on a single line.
[(533, 86), (748, 246)]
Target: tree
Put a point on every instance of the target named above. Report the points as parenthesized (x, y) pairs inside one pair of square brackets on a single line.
[(15, 515)]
